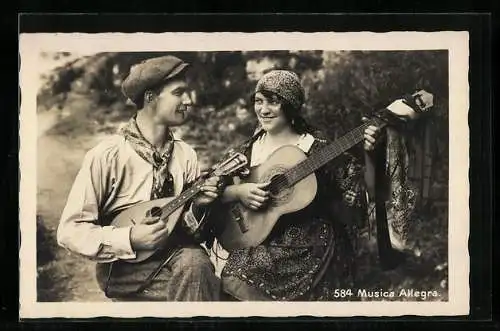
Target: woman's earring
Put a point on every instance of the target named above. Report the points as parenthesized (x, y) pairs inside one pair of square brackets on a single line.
[(293, 121)]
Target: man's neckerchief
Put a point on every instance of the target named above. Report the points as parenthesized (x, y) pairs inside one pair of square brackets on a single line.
[(163, 183)]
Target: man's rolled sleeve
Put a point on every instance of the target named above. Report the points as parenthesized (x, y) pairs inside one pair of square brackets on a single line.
[(79, 230), (116, 242)]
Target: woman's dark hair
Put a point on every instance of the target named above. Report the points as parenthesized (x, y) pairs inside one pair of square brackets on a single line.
[(292, 114)]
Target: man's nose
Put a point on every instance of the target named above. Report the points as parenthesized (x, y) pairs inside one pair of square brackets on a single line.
[(186, 98)]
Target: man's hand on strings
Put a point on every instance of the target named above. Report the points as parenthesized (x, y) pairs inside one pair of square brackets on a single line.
[(148, 234)]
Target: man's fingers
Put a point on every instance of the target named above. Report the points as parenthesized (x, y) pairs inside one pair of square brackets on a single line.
[(151, 220), (211, 194), (207, 188), (162, 231), (212, 181), (160, 234), (158, 226)]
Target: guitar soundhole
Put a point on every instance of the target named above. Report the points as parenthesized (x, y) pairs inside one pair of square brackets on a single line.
[(155, 211), (277, 184), (279, 190)]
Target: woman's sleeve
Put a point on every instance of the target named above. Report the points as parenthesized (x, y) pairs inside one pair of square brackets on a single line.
[(349, 176), (346, 187)]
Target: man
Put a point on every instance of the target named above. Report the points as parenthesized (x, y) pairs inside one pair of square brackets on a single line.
[(143, 161)]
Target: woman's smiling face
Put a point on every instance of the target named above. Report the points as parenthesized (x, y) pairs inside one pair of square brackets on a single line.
[(269, 111)]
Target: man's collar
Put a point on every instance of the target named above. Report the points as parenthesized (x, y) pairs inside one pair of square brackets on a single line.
[(176, 136), (131, 126)]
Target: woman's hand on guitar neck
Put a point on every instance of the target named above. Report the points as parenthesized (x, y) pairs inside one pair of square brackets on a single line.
[(148, 234), (371, 135), (252, 195)]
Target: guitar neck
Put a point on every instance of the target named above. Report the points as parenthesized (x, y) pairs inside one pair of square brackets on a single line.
[(330, 152), (184, 197)]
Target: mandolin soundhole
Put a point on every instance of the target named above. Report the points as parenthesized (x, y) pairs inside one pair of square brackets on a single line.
[(155, 211), (279, 191)]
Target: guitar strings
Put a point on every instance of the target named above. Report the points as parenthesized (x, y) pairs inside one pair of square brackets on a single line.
[(307, 165)]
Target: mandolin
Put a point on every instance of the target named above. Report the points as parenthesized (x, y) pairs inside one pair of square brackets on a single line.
[(293, 184), (169, 209)]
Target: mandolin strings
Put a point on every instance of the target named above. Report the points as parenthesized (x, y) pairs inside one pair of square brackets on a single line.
[(185, 196)]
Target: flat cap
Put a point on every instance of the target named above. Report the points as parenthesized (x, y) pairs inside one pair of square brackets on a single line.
[(149, 74)]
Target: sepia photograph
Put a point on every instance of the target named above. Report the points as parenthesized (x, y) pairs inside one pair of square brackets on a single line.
[(322, 171)]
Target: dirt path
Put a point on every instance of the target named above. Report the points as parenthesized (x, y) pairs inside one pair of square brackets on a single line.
[(68, 277), (58, 162)]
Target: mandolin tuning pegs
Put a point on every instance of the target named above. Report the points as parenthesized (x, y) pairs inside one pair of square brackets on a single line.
[(244, 171)]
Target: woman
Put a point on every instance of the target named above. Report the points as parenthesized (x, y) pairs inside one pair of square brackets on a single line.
[(310, 252)]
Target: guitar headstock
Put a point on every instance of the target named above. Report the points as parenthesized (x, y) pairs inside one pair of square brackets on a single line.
[(407, 109), (423, 101), (230, 165), (412, 107)]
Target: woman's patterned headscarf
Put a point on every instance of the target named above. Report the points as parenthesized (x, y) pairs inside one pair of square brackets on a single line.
[(285, 84)]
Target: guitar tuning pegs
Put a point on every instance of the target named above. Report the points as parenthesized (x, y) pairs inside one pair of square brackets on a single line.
[(423, 100)]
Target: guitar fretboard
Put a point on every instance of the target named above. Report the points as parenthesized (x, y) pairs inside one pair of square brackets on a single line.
[(317, 160)]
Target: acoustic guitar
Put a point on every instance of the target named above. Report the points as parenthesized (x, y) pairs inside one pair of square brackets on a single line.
[(169, 209), (293, 185)]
